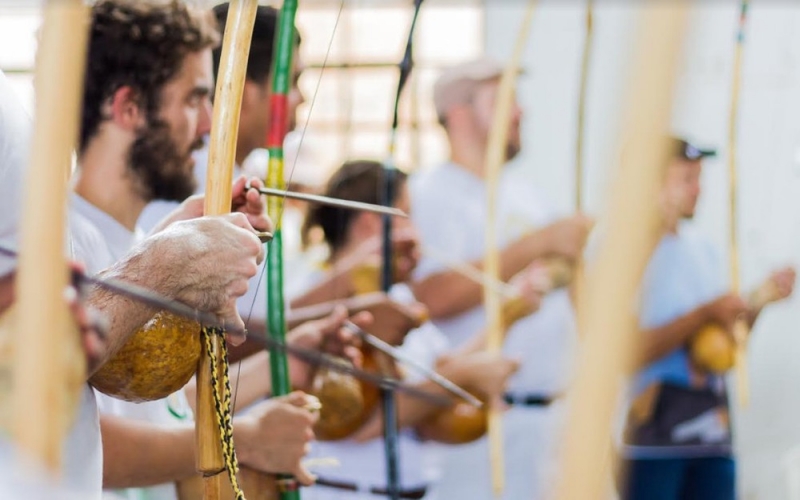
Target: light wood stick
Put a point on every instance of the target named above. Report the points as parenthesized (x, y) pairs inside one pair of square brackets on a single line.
[(633, 221), (741, 329), (579, 286), (49, 366), (582, 96), (495, 158), (470, 272), (221, 157)]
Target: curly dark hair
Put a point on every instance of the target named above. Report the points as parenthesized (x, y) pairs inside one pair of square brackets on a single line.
[(140, 44), (355, 180)]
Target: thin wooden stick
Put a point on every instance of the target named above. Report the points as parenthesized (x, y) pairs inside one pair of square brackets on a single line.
[(740, 328), (580, 268), (633, 220), (582, 96), (49, 366), (495, 158), (221, 157), (470, 272)]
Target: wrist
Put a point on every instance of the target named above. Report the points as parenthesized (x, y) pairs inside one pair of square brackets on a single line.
[(241, 439), (540, 244)]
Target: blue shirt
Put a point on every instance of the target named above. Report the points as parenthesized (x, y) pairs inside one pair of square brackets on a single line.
[(689, 418), (684, 273)]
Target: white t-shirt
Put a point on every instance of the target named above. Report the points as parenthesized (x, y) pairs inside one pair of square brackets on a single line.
[(15, 130), (448, 207), (20, 480), (82, 460), (100, 241)]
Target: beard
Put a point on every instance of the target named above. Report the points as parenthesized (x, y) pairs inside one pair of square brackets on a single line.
[(160, 169)]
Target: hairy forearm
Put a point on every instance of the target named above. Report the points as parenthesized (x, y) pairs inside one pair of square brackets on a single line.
[(144, 266), (124, 315), (450, 293), (658, 342), (137, 454)]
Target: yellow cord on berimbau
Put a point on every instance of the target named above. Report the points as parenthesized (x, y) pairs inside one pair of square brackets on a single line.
[(222, 403)]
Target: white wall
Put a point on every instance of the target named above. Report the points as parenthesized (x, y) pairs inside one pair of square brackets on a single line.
[(769, 147)]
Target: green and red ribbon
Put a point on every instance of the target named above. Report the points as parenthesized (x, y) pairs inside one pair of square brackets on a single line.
[(276, 321)]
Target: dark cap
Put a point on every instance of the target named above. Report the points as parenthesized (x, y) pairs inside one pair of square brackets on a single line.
[(685, 150)]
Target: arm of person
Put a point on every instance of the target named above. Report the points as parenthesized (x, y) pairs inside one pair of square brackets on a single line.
[(530, 287), (658, 342), (337, 285), (778, 286), (514, 309), (138, 454), (205, 263), (449, 293), (273, 437), (391, 319), (360, 272), (246, 201), (485, 372)]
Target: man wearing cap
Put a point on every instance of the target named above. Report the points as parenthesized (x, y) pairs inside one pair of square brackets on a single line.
[(448, 205), (677, 441)]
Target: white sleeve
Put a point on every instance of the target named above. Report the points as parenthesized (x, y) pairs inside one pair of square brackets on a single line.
[(154, 212), (443, 231), (15, 131)]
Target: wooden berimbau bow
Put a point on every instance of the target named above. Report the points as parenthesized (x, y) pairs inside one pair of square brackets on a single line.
[(49, 367), (213, 459), (495, 159), (81, 282), (281, 75), (632, 232), (740, 328)]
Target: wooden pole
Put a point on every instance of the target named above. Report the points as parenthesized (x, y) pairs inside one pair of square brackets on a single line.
[(740, 328), (579, 295), (582, 96), (495, 159), (221, 157), (633, 220), (49, 365)]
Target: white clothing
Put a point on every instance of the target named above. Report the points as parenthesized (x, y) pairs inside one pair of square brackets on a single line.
[(15, 130), (448, 206), (18, 480), (82, 459), (100, 241)]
